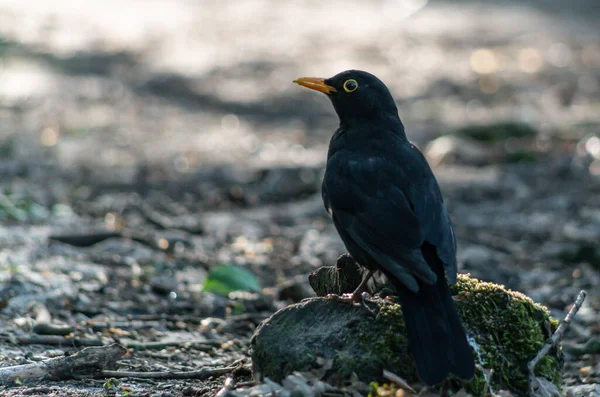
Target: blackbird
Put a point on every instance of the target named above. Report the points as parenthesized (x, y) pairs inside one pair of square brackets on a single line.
[(388, 210)]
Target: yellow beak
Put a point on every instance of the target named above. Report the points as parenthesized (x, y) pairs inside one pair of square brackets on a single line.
[(315, 83)]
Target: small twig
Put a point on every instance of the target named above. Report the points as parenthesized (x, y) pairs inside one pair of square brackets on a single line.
[(203, 373), (154, 217), (84, 362), (392, 377), (52, 340), (249, 317), (99, 326), (555, 338), (189, 344), (228, 386), (185, 224), (194, 319), (488, 391)]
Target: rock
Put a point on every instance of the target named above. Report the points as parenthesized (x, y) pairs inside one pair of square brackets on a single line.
[(296, 384), (298, 336), (507, 328), (544, 388), (164, 283), (583, 391)]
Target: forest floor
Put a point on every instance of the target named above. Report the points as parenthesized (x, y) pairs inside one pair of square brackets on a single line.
[(144, 144)]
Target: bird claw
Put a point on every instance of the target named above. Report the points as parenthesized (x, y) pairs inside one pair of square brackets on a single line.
[(346, 298), (360, 299), (363, 304)]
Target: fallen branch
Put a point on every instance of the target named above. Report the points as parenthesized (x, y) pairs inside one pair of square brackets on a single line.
[(99, 326), (42, 328), (193, 345), (185, 224), (203, 373), (52, 340), (554, 339), (195, 319), (85, 362), (84, 239)]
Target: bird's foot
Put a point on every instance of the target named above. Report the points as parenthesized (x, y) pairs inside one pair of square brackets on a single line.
[(346, 298), (359, 298), (363, 304)]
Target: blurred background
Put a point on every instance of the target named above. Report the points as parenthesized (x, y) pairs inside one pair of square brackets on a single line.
[(200, 82), (179, 119)]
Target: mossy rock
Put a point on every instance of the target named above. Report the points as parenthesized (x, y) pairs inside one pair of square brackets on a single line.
[(339, 339), (509, 329)]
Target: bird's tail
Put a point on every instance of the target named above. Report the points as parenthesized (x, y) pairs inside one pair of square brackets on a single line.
[(436, 337)]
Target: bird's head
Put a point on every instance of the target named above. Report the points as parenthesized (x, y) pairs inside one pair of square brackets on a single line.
[(356, 95)]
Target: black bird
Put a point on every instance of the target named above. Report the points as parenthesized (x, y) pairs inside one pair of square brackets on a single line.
[(388, 209)]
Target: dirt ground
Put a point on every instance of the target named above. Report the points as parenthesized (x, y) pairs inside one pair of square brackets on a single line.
[(144, 143)]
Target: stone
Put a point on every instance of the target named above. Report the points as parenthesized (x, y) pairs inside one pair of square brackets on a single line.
[(592, 390), (506, 328)]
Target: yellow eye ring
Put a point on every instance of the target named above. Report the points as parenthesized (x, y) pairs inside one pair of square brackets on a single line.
[(350, 85)]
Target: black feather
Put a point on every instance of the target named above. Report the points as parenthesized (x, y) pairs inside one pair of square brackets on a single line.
[(436, 336)]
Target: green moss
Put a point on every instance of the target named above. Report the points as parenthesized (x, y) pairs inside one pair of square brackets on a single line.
[(510, 329), (390, 332), (384, 390), (507, 327)]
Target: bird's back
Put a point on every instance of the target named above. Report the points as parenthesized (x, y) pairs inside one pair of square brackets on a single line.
[(376, 174)]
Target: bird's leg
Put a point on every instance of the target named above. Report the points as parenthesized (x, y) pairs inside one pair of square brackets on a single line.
[(444, 388), (357, 295)]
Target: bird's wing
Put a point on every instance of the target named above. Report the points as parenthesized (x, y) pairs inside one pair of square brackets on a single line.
[(390, 208), (376, 214), (428, 205)]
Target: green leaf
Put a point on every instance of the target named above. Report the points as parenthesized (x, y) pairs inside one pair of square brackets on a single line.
[(225, 279), (110, 383)]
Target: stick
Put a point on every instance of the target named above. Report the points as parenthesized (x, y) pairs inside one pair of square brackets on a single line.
[(84, 362), (555, 338), (228, 386), (190, 344), (85, 239), (52, 340), (203, 373), (392, 377)]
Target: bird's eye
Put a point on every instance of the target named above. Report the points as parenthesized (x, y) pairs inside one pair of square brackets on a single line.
[(350, 85)]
